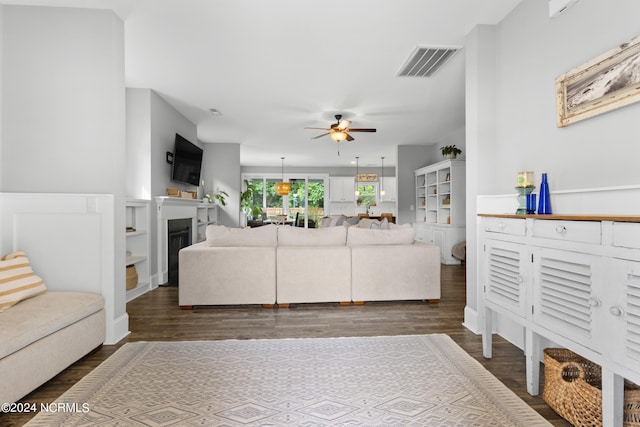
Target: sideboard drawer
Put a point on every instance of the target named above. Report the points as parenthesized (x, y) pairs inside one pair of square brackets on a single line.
[(516, 227), (574, 231), (626, 235)]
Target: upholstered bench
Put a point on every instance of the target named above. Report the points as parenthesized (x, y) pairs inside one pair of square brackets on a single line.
[(42, 335)]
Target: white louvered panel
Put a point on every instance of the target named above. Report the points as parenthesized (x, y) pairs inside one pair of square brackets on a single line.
[(565, 289), (632, 339), (504, 285)]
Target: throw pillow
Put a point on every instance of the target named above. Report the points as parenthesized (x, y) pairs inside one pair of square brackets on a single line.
[(331, 221), (380, 225), (17, 280), (366, 222), (353, 220)]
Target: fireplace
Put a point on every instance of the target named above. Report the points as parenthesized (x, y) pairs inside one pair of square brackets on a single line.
[(179, 236)]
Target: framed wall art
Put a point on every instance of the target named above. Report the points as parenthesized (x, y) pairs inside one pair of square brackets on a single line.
[(603, 84)]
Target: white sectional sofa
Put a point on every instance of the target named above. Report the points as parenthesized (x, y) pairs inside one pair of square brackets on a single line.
[(283, 265)]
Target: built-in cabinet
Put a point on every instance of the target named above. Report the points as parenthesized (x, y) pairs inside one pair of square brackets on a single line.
[(206, 214), (442, 235), (573, 280), (440, 206), (342, 189), (440, 193), (138, 244), (389, 186)]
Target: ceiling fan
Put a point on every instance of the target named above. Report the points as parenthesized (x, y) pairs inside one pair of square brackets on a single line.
[(340, 130)]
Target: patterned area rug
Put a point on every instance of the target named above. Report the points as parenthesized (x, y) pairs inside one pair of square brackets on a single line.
[(419, 380)]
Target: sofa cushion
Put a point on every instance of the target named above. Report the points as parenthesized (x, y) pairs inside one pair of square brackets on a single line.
[(17, 280), (44, 315), (296, 236), (220, 235), (362, 237)]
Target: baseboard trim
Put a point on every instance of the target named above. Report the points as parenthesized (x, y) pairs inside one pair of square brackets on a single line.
[(471, 320), (119, 330)]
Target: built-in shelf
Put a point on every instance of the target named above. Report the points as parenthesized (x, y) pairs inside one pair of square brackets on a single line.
[(440, 206), (138, 245)]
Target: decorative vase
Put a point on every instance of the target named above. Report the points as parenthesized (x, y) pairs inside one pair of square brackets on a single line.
[(524, 194), (544, 204)]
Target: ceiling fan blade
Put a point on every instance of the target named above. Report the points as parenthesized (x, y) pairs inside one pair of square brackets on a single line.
[(320, 136), (344, 124), (318, 128), (350, 138), (361, 130)]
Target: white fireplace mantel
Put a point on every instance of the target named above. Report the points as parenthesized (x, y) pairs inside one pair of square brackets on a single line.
[(172, 208)]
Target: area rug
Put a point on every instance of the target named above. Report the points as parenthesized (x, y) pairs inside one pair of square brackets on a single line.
[(416, 380)]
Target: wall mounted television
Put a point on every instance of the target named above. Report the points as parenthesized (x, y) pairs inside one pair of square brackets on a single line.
[(187, 162)]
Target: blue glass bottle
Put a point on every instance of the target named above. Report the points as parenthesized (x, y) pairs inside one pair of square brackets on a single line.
[(544, 204)]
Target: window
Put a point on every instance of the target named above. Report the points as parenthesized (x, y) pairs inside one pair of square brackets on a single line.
[(306, 200), (367, 194)]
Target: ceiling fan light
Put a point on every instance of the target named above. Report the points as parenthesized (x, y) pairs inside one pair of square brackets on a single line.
[(338, 136), (344, 124)]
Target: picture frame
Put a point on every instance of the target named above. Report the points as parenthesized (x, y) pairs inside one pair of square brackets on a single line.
[(602, 84)]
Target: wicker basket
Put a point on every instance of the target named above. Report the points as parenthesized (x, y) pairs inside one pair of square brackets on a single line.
[(573, 388), (132, 277)]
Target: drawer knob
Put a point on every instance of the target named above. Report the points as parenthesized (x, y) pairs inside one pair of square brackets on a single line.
[(594, 302), (615, 311), (502, 225), (561, 229)]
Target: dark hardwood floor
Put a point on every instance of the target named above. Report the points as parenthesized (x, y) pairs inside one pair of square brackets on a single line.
[(155, 316)]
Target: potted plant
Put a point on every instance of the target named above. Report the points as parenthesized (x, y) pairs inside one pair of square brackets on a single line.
[(450, 151), (221, 196), (246, 202)]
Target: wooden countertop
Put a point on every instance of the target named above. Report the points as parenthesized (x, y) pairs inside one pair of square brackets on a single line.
[(570, 217)]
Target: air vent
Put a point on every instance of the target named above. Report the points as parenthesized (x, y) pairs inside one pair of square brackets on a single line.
[(424, 61)]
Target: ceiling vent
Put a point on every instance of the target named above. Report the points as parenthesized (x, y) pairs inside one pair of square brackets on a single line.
[(424, 61)]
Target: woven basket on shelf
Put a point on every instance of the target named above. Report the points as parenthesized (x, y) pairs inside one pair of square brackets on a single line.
[(573, 388), (132, 277)]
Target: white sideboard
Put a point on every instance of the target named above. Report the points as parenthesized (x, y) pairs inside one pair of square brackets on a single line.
[(573, 280)]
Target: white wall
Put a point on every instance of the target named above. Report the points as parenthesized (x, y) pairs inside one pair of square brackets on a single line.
[(1, 80), (138, 162), (410, 158), (222, 172), (531, 50), (63, 109)]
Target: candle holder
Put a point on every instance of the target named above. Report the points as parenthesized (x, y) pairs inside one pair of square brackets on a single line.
[(522, 198)]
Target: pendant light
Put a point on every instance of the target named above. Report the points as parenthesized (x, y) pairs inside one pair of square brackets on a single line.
[(382, 193), (357, 193), (283, 188)]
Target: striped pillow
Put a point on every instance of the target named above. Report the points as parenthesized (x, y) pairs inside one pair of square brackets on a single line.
[(17, 280)]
